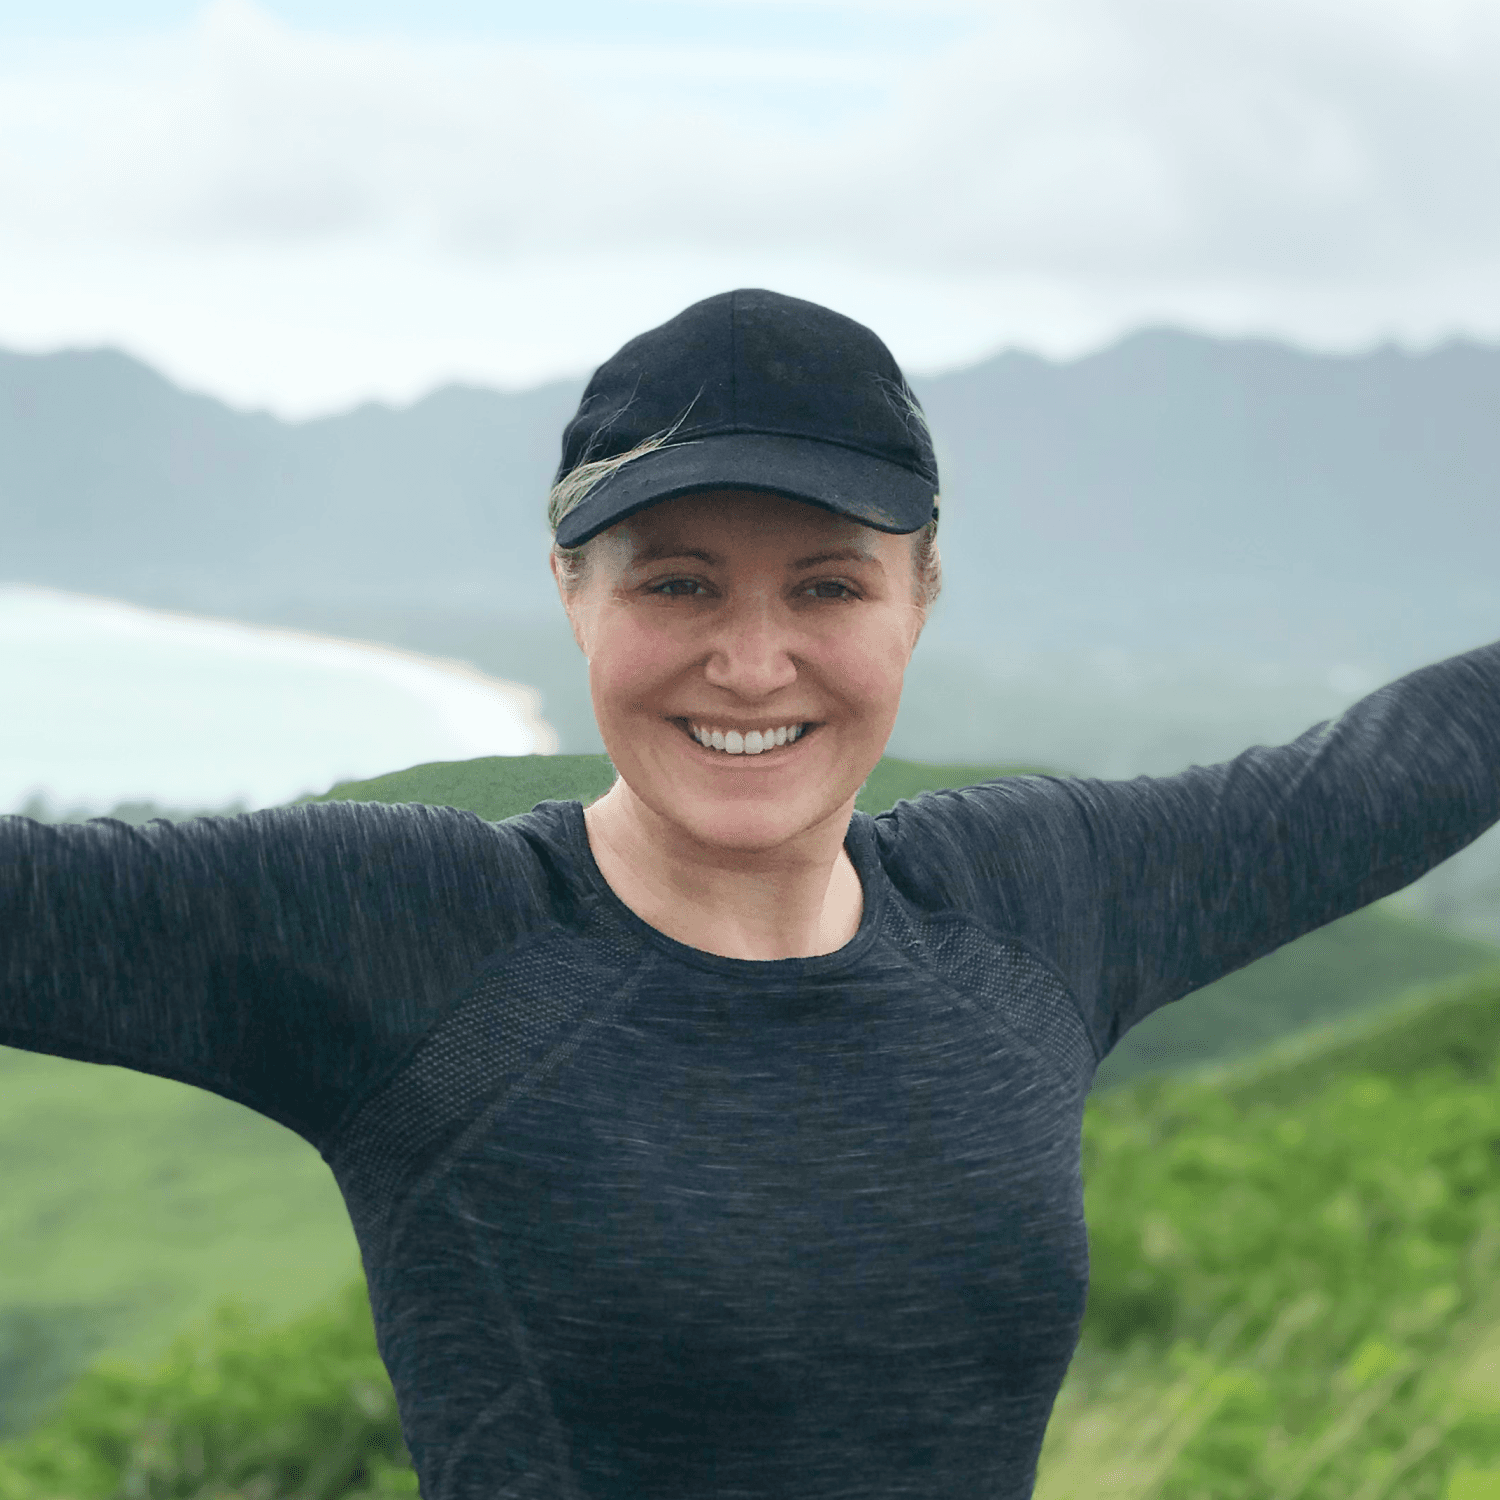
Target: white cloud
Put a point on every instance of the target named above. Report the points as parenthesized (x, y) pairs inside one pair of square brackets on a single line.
[(388, 211)]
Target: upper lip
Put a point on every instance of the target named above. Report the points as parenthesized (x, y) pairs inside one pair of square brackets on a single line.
[(715, 721)]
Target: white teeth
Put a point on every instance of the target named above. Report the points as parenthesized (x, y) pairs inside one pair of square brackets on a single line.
[(747, 742)]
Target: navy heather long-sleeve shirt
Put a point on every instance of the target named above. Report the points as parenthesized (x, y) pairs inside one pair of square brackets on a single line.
[(640, 1221)]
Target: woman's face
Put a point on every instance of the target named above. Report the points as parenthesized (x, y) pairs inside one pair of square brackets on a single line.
[(750, 619)]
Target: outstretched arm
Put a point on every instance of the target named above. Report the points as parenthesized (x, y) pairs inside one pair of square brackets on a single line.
[(281, 958), (1141, 891)]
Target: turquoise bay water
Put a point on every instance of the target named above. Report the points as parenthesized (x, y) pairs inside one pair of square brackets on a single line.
[(103, 702)]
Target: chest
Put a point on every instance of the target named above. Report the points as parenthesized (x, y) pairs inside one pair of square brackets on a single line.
[(826, 1177), (710, 1240)]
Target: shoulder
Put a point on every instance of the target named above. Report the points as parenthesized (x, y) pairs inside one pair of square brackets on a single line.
[(952, 847), (413, 839), (369, 858), (333, 834)]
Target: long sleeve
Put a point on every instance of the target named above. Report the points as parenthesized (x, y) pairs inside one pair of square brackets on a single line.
[(1141, 891), (283, 959)]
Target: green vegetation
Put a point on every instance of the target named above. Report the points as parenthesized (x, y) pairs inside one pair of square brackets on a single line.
[(500, 786), (131, 1206), (1295, 1287), (1357, 964), (494, 786), (1295, 1255), (232, 1412)]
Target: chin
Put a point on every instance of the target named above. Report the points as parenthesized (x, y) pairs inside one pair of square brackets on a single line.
[(733, 825), (752, 825), (735, 807)]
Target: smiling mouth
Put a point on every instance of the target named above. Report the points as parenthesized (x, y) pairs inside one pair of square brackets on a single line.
[(744, 742)]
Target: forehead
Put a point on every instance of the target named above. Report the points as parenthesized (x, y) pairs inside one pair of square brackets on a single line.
[(737, 521)]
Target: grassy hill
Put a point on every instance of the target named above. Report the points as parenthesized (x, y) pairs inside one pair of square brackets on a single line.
[(500, 786), (132, 1205)]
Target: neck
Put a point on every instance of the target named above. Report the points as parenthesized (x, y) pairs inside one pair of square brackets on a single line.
[(795, 901)]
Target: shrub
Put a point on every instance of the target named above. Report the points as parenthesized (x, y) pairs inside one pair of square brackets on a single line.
[(232, 1412)]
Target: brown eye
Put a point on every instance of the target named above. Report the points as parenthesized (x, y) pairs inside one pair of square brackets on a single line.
[(678, 588), (831, 588)]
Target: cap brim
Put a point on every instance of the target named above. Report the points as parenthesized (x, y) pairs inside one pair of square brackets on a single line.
[(872, 491)]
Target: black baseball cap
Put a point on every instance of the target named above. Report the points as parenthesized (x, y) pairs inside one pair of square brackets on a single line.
[(759, 392)]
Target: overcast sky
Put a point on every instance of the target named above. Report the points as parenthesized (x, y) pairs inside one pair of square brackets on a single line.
[(303, 203)]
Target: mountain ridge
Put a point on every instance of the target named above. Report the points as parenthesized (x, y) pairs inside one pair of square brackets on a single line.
[(1170, 452)]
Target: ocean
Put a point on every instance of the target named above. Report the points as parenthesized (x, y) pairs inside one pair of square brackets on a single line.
[(103, 702)]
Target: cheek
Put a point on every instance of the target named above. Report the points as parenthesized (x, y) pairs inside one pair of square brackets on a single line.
[(629, 661), (868, 666)]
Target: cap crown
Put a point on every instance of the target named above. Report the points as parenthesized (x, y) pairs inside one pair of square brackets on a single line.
[(752, 361)]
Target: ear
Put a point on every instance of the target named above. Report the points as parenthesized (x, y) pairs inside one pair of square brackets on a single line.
[(569, 599)]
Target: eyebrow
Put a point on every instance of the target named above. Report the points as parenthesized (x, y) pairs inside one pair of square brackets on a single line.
[(661, 551), (837, 554)]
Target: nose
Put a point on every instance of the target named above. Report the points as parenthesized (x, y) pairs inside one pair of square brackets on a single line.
[(751, 651)]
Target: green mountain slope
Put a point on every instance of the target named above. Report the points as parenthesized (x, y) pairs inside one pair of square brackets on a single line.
[(1354, 965), (132, 1205)]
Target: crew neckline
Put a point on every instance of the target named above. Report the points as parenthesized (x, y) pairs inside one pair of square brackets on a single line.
[(859, 844)]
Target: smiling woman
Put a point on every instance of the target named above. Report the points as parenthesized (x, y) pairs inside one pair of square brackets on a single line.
[(718, 1139), (746, 646), (775, 633)]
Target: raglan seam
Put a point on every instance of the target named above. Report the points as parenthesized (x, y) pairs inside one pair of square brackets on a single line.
[(440, 1160), (496, 958), (950, 905), (486, 1417), (957, 916)]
